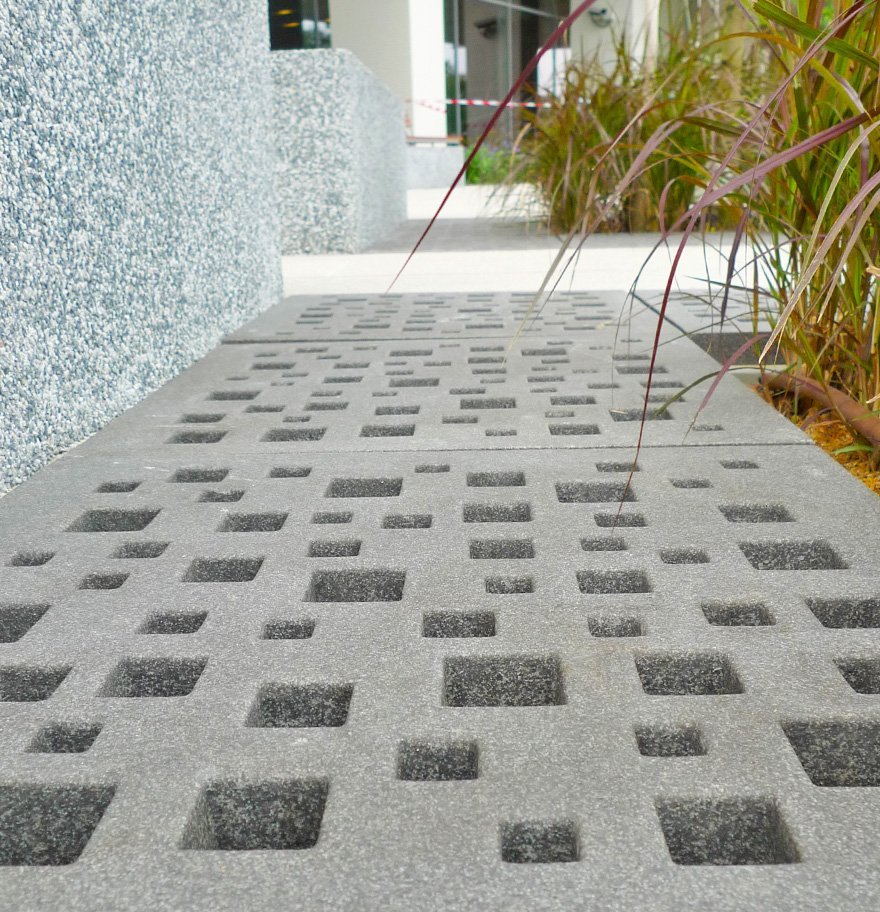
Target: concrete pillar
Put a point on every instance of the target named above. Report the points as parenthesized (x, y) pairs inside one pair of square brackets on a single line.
[(428, 66)]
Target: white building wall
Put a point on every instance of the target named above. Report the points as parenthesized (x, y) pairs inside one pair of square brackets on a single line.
[(377, 32), (401, 41), (636, 19)]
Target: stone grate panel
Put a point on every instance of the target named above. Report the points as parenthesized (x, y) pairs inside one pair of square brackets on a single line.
[(433, 316), (463, 394), (235, 675)]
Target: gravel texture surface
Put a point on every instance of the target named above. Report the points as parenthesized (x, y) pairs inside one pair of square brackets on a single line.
[(341, 153), (137, 214)]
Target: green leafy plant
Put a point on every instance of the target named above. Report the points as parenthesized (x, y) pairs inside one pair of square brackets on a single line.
[(578, 150), (804, 172), (491, 166), (815, 218)]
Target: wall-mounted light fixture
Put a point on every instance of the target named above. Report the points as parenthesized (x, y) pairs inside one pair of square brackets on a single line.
[(488, 28), (601, 16)]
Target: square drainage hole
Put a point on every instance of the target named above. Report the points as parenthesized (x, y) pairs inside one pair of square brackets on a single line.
[(755, 513), (497, 512), (174, 622), (487, 403), (594, 492), (103, 581), (687, 675), (862, 675), (620, 520), (572, 400), (573, 430), (223, 570), (738, 614), (233, 395), (603, 544), (364, 487), (17, 620), (509, 585), (64, 738), (684, 556), (496, 479), (292, 435), (342, 548), (738, 464), (235, 816), (30, 684), (635, 414), (326, 519), (356, 586), (117, 487), (539, 842), (613, 582), (154, 678), (453, 624), (290, 472), (221, 496), (197, 437), (502, 549), (300, 629), (603, 626), (437, 761), (301, 706), (140, 550), (844, 613), (691, 483), (670, 741), (618, 467), (253, 522), (837, 754), (726, 831), (431, 469), (792, 555), (407, 521), (384, 410), (199, 476), (49, 825), (506, 681), (388, 430), (30, 558), (113, 521)]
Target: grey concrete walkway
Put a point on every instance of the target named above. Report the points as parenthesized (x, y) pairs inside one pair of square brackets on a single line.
[(340, 619)]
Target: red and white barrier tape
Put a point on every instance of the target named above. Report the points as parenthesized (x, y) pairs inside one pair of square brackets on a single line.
[(440, 106)]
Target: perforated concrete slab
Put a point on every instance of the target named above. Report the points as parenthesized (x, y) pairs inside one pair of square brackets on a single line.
[(420, 316), (434, 680), (439, 671), (694, 312), (443, 394)]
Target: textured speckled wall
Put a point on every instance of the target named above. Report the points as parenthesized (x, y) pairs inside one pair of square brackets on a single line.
[(341, 153), (137, 211)]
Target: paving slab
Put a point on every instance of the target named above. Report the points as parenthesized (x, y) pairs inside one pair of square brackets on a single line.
[(253, 674), (700, 312), (555, 390), (431, 315)]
